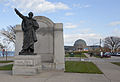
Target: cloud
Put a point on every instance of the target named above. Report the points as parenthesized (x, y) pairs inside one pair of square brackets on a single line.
[(37, 6), (115, 23), (69, 25), (90, 38), (81, 6), (69, 14), (116, 32), (83, 31)]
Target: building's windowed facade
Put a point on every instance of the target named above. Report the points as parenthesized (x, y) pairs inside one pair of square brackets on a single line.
[(80, 45)]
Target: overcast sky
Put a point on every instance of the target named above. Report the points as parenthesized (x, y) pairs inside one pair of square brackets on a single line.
[(82, 19)]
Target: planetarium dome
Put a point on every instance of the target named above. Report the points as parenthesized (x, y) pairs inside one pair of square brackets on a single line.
[(80, 44)]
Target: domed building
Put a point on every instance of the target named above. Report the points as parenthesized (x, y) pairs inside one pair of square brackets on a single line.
[(79, 45)]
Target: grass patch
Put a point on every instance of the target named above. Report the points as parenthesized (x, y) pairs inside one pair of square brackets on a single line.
[(76, 55), (81, 67), (5, 61), (116, 63), (6, 67), (82, 55)]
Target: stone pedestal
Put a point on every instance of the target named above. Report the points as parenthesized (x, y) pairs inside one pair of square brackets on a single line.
[(27, 65)]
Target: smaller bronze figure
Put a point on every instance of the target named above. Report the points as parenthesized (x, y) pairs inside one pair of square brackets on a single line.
[(29, 27)]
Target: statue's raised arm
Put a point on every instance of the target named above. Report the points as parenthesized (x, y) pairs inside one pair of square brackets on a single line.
[(19, 14)]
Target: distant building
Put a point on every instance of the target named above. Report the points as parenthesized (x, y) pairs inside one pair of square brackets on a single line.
[(69, 48), (79, 45), (93, 47)]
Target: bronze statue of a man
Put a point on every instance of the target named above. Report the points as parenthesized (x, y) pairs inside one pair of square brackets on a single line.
[(29, 27)]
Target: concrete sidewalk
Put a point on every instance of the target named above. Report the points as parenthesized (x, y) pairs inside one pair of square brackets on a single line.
[(53, 76), (5, 76), (111, 71), (111, 74)]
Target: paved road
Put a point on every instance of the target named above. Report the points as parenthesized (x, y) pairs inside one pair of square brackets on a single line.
[(112, 59), (8, 58), (91, 59)]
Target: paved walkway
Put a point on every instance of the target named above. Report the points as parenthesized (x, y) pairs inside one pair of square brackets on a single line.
[(111, 74), (6, 76), (111, 71), (2, 64), (53, 77)]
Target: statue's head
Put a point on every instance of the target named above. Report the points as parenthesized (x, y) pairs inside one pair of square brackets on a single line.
[(30, 14)]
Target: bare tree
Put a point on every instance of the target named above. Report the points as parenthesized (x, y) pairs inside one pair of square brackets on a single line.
[(1, 46), (112, 43), (9, 33)]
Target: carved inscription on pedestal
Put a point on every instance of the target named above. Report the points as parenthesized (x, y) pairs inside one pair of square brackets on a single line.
[(24, 62)]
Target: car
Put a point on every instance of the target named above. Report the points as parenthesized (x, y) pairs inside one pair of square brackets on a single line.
[(113, 53), (107, 54), (118, 54)]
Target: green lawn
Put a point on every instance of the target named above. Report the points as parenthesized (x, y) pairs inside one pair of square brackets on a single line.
[(71, 66), (116, 63), (81, 67), (6, 67), (5, 61), (76, 55)]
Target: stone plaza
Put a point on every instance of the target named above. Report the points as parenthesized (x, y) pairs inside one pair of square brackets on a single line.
[(111, 74)]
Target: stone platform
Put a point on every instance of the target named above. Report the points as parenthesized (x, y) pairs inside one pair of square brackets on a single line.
[(27, 65)]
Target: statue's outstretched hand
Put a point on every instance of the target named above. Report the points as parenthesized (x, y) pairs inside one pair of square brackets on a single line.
[(18, 13), (15, 9)]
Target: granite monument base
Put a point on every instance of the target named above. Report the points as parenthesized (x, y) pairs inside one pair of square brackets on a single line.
[(50, 45), (27, 65)]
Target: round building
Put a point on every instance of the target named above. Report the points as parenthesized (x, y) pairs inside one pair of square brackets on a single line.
[(79, 45)]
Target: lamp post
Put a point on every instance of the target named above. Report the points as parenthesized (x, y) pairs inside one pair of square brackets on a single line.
[(101, 53)]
